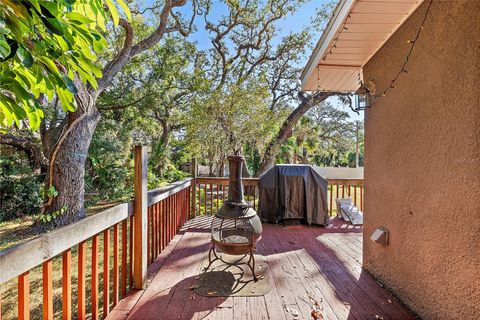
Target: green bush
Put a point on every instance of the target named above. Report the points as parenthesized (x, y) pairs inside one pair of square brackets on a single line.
[(21, 189)]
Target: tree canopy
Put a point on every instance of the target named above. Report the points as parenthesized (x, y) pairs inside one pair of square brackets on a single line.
[(83, 81)]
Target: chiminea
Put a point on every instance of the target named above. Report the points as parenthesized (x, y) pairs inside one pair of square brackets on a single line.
[(236, 227)]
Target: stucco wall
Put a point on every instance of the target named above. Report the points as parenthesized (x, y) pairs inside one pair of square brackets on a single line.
[(422, 169)]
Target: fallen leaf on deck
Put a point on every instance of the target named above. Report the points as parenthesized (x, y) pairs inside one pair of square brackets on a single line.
[(211, 292), (292, 242), (317, 315), (193, 287), (389, 301), (378, 317)]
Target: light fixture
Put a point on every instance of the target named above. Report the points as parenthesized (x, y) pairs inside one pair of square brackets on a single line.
[(362, 99)]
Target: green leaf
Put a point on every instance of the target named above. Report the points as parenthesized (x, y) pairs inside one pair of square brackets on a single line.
[(4, 47), (69, 84), (75, 16), (113, 11), (3, 27), (35, 116), (52, 192), (125, 9), (54, 25), (49, 64), (49, 8), (25, 57)]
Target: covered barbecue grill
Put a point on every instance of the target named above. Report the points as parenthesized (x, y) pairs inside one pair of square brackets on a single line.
[(293, 192)]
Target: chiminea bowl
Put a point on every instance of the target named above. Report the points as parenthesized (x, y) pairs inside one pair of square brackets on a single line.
[(236, 236)]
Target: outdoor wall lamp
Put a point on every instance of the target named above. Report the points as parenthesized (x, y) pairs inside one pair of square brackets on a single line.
[(363, 95), (380, 235), (362, 100)]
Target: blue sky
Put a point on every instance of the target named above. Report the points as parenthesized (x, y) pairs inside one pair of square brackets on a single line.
[(294, 22)]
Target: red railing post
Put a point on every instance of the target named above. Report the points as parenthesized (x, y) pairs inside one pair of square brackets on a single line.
[(23, 297), (67, 285), (82, 262), (193, 194), (140, 259)]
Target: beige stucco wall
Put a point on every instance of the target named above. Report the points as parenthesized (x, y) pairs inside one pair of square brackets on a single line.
[(422, 169)]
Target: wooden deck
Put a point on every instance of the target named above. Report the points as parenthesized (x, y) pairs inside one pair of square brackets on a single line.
[(305, 264)]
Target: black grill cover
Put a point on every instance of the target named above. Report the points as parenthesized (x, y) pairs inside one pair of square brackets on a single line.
[(293, 192)]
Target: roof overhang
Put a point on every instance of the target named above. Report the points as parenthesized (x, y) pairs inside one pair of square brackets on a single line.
[(356, 31)]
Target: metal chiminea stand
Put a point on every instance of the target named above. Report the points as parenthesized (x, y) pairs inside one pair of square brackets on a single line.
[(236, 227)]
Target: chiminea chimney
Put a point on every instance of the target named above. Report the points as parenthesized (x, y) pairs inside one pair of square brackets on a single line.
[(235, 206)]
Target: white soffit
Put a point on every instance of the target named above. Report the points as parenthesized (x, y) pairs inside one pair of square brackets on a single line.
[(357, 30)]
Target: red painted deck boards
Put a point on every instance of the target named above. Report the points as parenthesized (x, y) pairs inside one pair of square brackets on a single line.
[(303, 262)]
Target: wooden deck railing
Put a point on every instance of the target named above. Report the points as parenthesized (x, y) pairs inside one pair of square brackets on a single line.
[(129, 237), (210, 192), (140, 229)]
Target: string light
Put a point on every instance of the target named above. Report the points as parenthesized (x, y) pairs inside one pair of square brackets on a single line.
[(329, 52), (403, 69), (335, 40)]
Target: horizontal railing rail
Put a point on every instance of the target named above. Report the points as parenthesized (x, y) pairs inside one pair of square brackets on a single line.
[(159, 194), (212, 191), (20, 258), (141, 229)]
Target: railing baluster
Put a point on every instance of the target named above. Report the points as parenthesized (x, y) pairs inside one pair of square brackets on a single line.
[(355, 195), (115, 264), (175, 213), (124, 257), (211, 199), (218, 198), (167, 212), (82, 261), (165, 222), (361, 198), (162, 226), (149, 235), (205, 200), (106, 272), (331, 200), (178, 206), (172, 218), (160, 230), (94, 295), (168, 219), (67, 285), (157, 229), (47, 290), (130, 248), (199, 199), (23, 297)]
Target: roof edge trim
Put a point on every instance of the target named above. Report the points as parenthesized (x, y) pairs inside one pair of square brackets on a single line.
[(339, 14)]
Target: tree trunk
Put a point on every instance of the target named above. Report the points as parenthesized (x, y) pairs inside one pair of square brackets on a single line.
[(69, 163), (285, 131), (161, 156)]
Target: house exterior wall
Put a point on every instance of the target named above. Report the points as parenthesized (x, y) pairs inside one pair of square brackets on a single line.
[(422, 163)]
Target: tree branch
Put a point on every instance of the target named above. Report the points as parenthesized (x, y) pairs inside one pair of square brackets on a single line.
[(35, 157), (120, 60)]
